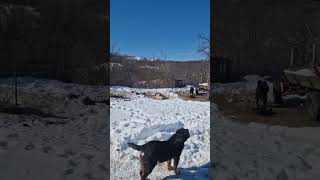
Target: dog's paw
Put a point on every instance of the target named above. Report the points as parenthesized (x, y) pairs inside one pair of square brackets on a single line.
[(177, 171)]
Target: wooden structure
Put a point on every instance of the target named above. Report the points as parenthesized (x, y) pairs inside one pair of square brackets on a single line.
[(309, 78), (179, 83), (221, 69)]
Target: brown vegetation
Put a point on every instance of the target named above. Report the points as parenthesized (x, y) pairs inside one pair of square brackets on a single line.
[(157, 74)]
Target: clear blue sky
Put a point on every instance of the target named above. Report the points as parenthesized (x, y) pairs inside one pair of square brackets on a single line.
[(148, 27)]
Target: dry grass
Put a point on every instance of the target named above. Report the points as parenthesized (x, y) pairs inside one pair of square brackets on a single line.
[(158, 96), (122, 95)]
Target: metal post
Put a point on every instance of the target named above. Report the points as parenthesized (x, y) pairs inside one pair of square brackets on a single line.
[(292, 55), (314, 53), (15, 83)]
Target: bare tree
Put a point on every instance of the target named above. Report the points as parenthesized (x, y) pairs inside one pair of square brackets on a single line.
[(115, 49), (7, 21), (204, 47), (303, 42), (164, 55), (153, 57), (306, 41)]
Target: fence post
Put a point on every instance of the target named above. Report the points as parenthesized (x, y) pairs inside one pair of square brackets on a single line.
[(291, 57), (314, 53)]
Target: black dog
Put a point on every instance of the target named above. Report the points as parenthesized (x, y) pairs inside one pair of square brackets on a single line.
[(161, 151)]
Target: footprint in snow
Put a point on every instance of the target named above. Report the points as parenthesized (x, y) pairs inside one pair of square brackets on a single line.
[(72, 163), (126, 125), (46, 149), (102, 167), (68, 172), (118, 131), (88, 176), (14, 135)]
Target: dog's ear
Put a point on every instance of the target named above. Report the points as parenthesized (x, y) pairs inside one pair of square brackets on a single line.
[(181, 129)]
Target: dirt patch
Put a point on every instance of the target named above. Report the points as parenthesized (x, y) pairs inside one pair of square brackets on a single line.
[(242, 109), (185, 96)]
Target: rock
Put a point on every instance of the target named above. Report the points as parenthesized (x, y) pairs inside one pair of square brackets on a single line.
[(14, 135), (29, 147), (87, 101), (102, 167), (25, 125), (73, 96), (68, 171), (3, 143), (72, 163)]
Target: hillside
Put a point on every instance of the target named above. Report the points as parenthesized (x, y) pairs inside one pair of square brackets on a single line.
[(157, 74)]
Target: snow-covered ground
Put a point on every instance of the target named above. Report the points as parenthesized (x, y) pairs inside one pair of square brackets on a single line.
[(257, 151), (141, 119), (32, 149)]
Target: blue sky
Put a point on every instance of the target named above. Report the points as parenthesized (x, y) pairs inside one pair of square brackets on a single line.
[(159, 28)]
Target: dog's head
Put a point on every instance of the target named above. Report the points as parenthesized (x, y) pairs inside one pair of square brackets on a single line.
[(182, 134)]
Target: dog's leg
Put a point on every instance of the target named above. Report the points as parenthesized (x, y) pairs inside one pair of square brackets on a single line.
[(170, 168), (175, 165), (146, 168)]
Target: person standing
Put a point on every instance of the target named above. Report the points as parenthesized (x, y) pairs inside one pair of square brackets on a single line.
[(277, 92), (191, 92)]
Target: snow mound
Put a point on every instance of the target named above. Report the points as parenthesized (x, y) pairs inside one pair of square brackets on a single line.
[(252, 78), (248, 85), (143, 119), (305, 72)]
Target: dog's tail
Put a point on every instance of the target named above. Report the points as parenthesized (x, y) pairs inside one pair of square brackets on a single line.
[(135, 146)]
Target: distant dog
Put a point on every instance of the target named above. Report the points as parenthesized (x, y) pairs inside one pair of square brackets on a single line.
[(161, 151)]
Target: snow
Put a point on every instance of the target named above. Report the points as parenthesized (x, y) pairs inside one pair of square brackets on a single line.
[(113, 65), (149, 67), (248, 85), (253, 78), (32, 149), (203, 84), (143, 119), (77, 150), (258, 151), (305, 72)]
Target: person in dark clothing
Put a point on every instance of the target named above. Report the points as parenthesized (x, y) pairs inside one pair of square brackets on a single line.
[(262, 96), (191, 92)]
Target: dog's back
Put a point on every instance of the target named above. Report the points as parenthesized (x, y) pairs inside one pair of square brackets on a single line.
[(158, 150)]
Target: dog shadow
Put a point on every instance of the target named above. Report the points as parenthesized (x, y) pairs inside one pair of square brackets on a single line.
[(192, 173)]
